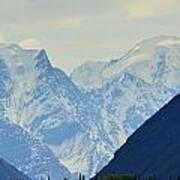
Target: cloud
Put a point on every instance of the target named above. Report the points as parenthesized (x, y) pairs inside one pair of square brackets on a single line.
[(2, 39), (30, 44), (61, 23), (34, 11), (23, 11), (140, 9)]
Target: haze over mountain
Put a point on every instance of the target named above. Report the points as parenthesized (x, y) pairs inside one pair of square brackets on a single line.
[(85, 123), (153, 148)]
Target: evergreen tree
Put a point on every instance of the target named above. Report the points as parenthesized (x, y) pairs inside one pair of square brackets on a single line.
[(80, 177), (152, 177), (170, 177), (83, 177), (49, 177)]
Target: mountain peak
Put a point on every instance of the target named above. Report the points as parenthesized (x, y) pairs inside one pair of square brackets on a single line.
[(18, 60), (41, 52), (144, 54), (158, 40), (150, 44), (162, 38)]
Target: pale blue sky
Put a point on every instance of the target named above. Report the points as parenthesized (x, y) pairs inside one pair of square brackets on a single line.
[(74, 31)]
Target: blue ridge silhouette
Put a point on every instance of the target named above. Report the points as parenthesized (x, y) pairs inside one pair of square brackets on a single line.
[(9, 172), (153, 148)]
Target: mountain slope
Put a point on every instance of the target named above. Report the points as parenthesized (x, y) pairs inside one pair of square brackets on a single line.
[(28, 154), (88, 75), (138, 84), (84, 128), (44, 101), (133, 89), (153, 148), (148, 59), (7, 172)]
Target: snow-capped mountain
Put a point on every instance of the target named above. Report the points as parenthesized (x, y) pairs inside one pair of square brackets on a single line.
[(28, 154), (142, 60), (85, 125), (44, 101), (7, 172), (88, 75), (132, 89), (138, 84)]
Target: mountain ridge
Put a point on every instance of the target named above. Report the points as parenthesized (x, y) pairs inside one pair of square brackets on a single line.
[(152, 149), (144, 45), (83, 128), (8, 171)]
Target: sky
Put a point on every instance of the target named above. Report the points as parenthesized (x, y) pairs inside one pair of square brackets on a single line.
[(76, 31)]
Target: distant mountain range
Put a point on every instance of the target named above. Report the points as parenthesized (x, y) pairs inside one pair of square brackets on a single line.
[(153, 148), (83, 119), (8, 172)]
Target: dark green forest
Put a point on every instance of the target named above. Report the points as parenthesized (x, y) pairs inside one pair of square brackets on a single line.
[(125, 177)]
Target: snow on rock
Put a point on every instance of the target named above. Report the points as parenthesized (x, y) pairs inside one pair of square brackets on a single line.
[(27, 154), (85, 125)]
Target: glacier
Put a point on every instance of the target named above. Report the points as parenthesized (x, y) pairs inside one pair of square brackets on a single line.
[(84, 118)]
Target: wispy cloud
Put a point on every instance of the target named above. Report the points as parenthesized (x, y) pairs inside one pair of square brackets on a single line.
[(64, 23), (30, 44), (140, 9), (2, 38)]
